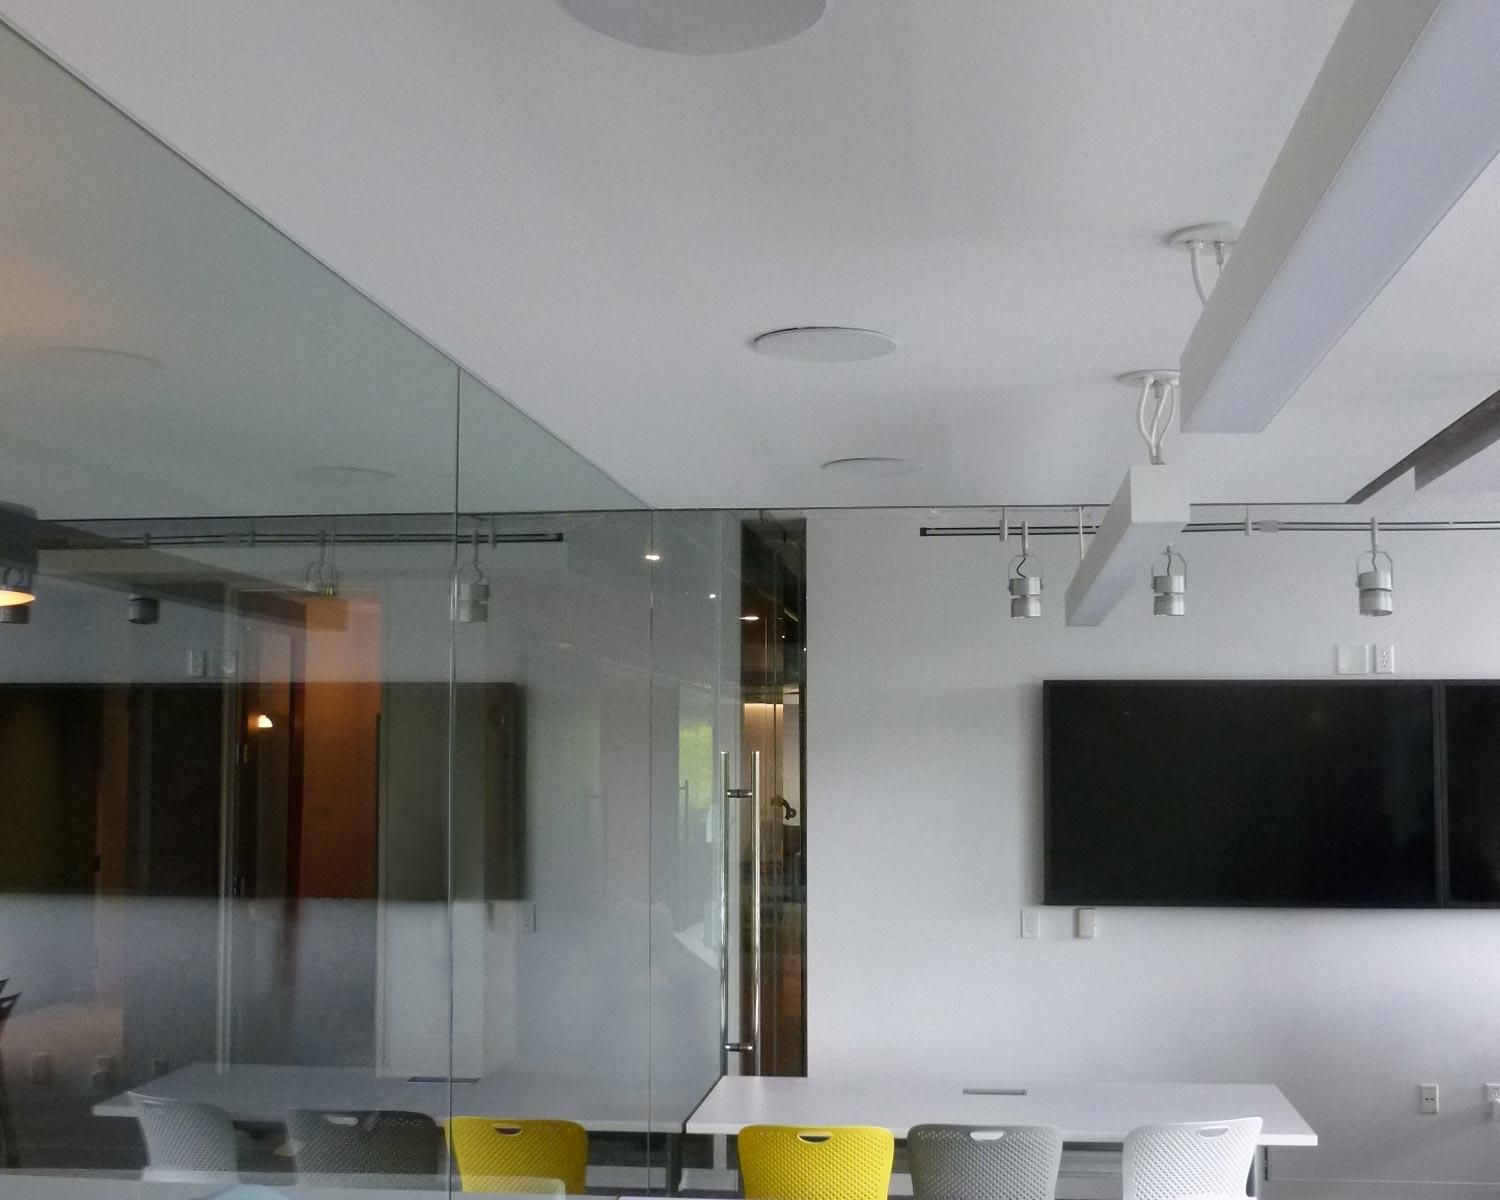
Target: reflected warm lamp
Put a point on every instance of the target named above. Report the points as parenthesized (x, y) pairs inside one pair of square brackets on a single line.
[(260, 722), (17, 555)]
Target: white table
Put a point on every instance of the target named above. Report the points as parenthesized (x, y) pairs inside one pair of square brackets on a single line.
[(1087, 1113), (261, 1094)]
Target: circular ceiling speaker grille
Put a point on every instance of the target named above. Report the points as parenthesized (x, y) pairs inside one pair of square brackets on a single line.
[(698, 26), (872, 467), (823, 343)]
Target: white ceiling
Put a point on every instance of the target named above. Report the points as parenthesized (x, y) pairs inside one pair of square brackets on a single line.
[(597, 230)]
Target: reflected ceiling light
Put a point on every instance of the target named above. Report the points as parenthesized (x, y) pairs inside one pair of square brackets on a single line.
[(653, 556), (749, 617), (90, 364), (260, 722), (345, 477), (1374, 581), (713, 595), (1169, 587), (471, 595), (698, 26), (322, 577), (143, 610), (823, 344), (872, 467), (1025, 589), (17, 556)]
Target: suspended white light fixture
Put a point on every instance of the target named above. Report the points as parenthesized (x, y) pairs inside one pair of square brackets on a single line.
[(1375, 581), (1025, 590), (1359, 184), (472, 595), (1169, 587)]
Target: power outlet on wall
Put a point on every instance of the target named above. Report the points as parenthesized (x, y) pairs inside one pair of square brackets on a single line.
[(1492, 1098), (1427, 1096), (1031, 923), (1384, 658)]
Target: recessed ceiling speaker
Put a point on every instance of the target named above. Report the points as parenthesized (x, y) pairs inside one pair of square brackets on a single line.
[(823, 344), (698, 26), (872, 467)]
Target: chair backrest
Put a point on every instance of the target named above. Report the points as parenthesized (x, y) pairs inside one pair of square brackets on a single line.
[(838, 1162), (343, 1147), (1206, 1158), (186, 1142), (518, 1157), (979, 1162)]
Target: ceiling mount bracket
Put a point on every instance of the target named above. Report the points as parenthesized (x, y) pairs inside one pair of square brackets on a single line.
[(1217, 237)]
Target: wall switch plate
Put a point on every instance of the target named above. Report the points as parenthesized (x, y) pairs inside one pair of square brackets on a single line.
[(1352, 660), (1031, 923), (229, 664), (1492, 1098), (1085, 923), (41, 1067), (1428, 1094), (197, 664), (1385, 659), (526, 917)]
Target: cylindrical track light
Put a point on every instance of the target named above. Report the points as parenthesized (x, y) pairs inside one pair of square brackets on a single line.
[(143, 610), (1169, 587), (1025, 589), (471, 604), (1375, 580)]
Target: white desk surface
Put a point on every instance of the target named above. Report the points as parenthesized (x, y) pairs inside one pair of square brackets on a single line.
[(262, 1094), (1085, 1112)]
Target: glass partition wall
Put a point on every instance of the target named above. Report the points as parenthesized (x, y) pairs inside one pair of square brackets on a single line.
[(364, 746)]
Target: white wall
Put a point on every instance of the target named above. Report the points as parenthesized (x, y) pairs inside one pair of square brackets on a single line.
[(924, 839)]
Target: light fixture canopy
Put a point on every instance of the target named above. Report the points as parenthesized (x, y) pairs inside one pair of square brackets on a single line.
[(1375, 581)]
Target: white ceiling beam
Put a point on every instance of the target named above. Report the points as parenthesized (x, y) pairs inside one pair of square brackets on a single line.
[(1150, 509), (1403, 116)]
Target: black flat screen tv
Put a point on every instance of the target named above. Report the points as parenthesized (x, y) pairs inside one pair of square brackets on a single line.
[(1244, 794)]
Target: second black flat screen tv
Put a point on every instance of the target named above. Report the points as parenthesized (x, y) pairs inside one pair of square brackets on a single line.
[(1240, 794)]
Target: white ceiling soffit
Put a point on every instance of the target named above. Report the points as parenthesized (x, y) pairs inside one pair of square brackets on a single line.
[(1148, 511), (599, 230), (1404, 116)]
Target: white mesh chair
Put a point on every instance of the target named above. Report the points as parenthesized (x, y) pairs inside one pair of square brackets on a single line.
[(975, 1162), (186, 1142), (344, 1149), (1208, 1158)]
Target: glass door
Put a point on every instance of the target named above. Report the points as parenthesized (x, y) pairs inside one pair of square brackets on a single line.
[(771, 804)]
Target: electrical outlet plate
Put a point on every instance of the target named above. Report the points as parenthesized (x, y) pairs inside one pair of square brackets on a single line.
[(1428, 1096), (1031, 923), (1384, 659), (1085, 923)]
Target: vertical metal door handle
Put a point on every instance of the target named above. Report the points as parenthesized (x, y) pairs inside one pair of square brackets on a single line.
[(755, 913)]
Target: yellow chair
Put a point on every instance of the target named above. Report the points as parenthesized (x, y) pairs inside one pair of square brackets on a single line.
[(501, 1154), (842, 1162)]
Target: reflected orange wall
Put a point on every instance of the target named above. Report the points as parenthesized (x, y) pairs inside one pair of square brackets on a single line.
[(340, 719)]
